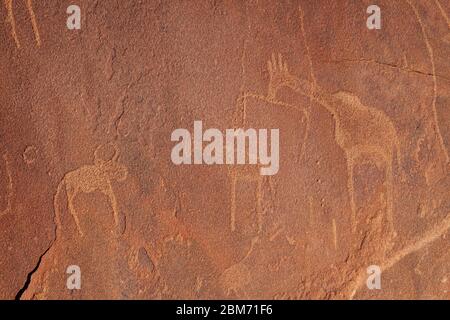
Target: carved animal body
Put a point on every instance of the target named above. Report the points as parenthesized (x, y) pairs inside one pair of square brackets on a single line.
[(364, 131), (88, 179), (360, 130)]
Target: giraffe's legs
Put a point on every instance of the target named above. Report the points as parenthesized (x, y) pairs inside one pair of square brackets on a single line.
[(390, 198), (34, 22), (385, 161), (12, 21), (350, 186)]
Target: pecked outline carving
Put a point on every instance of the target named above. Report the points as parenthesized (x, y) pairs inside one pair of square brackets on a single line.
[(375, 135), (90, 178)]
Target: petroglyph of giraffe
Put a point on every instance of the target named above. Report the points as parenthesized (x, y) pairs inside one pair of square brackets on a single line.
[(12, 21), (239, 175), (359, 130), (90, 178), (9, 186)]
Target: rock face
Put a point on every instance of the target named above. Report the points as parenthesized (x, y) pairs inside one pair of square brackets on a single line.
[(86, 176)]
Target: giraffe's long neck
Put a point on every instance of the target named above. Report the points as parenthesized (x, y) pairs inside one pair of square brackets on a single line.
[(316, 93)]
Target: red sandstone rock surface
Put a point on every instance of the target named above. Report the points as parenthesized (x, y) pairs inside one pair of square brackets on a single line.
[(85, 123)]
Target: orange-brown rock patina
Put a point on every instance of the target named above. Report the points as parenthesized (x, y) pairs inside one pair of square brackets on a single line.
[(86, 176)]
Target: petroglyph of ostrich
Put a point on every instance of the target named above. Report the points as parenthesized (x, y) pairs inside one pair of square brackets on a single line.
[(90, 178), (359, 130), (12, 21)]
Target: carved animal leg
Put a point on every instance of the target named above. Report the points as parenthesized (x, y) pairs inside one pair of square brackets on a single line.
[(259, 206), (11, 20), (112, 198), (390, 198), (70, 198), (350, 187), (33, 22), (233, 201)]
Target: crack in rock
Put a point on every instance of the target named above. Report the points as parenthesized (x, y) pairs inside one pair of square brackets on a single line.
[(30, 274)]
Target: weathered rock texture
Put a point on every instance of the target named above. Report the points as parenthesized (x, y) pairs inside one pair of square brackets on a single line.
[(364, 159)]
